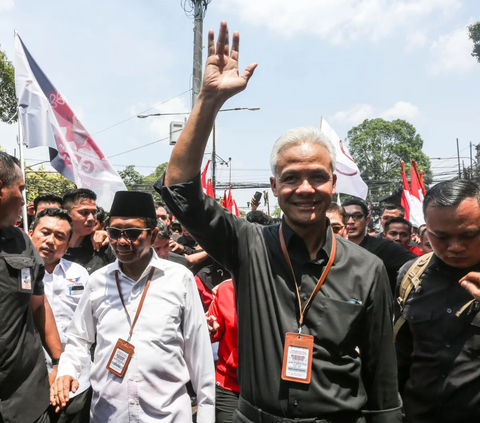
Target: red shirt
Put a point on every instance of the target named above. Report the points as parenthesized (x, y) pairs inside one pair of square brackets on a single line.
[(416, 250), (223, 308), (205, 294)]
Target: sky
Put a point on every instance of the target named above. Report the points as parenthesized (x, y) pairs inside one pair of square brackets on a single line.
[(345, 60)]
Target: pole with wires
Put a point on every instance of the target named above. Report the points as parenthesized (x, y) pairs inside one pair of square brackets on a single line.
[(198, 14)]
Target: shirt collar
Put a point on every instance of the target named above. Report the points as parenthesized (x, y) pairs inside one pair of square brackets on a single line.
[(289, 234), (155, 262)]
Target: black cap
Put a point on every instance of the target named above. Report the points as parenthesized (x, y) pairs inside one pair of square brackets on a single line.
[(133, 204)]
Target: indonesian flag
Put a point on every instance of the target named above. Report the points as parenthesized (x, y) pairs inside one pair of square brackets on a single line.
[(416, 197), (204, 177), (229, 201), (349, 180), (405, 201), (209, 190), (235, 209), (47, 120)]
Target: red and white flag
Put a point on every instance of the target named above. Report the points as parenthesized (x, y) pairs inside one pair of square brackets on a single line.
[(405, 201), (204, 177), (349, 180), (47, 120), (416, 197)]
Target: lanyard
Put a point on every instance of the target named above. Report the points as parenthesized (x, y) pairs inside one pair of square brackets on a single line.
[(320, 282), (141, 301)]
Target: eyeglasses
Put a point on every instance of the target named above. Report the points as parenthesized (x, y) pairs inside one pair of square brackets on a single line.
[(355, 216), (337, 228), (131, 234)]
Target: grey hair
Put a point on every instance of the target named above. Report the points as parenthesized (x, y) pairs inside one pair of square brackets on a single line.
[(300, 135)]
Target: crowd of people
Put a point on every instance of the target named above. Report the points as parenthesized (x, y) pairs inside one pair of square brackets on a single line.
[(179, 310)]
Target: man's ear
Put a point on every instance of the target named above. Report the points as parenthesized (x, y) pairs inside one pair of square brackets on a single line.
[(154, 236), (273, 185)]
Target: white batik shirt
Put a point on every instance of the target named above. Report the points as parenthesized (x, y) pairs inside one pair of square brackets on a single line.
[(64, 287), (171, 340)]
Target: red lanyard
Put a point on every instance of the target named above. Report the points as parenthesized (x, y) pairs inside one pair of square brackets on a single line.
[(320, 282), (141, 301)]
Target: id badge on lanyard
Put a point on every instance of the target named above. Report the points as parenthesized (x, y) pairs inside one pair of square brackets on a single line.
[(298, 348), (123, 350)]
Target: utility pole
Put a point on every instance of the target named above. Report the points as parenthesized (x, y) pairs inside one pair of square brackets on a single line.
[(214, 161), (471, 161), (198, 14), (458, 158)]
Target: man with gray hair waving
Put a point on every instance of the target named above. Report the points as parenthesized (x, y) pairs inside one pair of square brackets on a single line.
[(314, 310)]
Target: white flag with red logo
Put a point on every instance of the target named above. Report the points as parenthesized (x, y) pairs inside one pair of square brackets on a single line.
[(405, 200), (47, 120), (349, 180)]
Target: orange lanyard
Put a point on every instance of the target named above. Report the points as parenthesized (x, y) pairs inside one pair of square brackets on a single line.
[(141, 301), (323, 276)]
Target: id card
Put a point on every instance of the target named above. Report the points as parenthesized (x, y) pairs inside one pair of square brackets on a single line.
[(297, 358), (26, 279), (121, 355)]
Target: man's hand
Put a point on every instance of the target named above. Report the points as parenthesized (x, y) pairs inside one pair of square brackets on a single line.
[(471, 282), (221, 78), (53, 375), (99, 239), (60, 390), (175, 247), (212, 324), (254, 203)]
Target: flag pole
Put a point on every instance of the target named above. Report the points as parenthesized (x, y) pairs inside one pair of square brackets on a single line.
[(22, 167)]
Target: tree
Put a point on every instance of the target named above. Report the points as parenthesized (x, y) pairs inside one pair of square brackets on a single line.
[(41, 182), (474, 35), (378, 146), (8, 100), (159, 171), (130, 176), (277, 211)]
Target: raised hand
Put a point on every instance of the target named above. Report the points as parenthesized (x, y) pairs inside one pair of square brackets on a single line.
[(221, 78)]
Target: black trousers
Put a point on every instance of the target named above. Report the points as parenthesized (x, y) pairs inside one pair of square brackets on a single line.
[(76, 411), (226, 402)]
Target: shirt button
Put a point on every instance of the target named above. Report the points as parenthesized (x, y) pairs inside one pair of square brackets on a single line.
[(305, 298), (447, 345), (449, 310), (295, 403), (132, 401), (443, 375)]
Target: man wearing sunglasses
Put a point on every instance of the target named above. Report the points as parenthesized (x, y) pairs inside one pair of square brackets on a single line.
[(393, 255), (147, 319)]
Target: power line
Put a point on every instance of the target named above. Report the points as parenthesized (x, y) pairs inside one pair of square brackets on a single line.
[(138, 148), (134, 116)]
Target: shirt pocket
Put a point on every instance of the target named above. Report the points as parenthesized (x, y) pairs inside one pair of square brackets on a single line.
[(420, 321), (168, 322), (19, 268), (339, 326)]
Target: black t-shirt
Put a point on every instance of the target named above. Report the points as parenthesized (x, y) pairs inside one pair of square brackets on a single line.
[(24, 388), (393, 255), (87, 257)]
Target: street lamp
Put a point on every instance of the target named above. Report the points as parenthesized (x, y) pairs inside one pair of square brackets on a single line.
[(214, 154)]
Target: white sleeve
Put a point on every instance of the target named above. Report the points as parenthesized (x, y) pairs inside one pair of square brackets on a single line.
[(80, 336), (198, 352)]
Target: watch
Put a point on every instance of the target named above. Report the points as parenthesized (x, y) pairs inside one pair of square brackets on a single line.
[(55, 361)]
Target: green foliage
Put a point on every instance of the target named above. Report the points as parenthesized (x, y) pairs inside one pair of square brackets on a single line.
[(159, 171), (41, 182), (8, 100), (276, 211), (378, 146), (474, 35), (130, 176)]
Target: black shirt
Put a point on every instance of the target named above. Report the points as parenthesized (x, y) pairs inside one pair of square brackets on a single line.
[(393, 255), (439, 353), (353, 309), (87, 257), (24, 388)]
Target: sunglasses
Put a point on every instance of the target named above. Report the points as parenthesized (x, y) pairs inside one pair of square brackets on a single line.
[(355, 216), (131, 234)]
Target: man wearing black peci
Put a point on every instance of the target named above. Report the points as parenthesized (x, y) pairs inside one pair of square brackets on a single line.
[(346, 327)]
